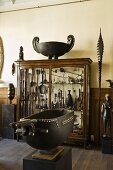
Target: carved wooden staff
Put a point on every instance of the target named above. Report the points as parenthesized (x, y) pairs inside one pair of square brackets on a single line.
[(100, 50)]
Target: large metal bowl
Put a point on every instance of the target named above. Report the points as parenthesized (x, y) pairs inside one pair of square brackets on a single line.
[(48, 129), (53, 49)]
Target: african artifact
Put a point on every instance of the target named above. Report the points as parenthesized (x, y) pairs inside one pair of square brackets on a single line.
[(106, 110), (47, 129)]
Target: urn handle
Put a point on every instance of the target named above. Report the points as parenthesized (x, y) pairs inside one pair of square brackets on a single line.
[(35, 43), (70, 41)]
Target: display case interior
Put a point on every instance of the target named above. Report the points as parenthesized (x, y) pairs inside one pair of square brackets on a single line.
[(34, 84), (67, 91)]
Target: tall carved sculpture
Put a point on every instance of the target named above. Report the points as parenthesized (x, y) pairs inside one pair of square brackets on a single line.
[(100, 50)]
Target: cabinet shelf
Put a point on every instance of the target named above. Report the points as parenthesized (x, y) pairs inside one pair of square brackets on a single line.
[(68, 83)]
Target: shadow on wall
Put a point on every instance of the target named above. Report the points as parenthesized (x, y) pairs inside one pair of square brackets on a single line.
[(94, 66), (105, 75), (111, 53), (79, 54), (95, 75)]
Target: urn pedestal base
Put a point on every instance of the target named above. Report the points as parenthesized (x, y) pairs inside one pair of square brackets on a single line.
[(8, 116), (48, 155), (62, 162)]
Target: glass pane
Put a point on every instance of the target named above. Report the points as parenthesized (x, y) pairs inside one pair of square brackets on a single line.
[(33, 90), (67, 92)]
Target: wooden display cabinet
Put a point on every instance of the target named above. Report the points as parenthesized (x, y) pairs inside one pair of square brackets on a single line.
[(52, 84)]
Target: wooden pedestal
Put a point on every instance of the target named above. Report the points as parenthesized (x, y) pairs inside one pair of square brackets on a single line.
[(107, 145), (49, 155), (8, 116), (62, 162)]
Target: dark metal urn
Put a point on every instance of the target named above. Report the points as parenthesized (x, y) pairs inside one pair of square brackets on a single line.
[(53, 49), (47, 129)]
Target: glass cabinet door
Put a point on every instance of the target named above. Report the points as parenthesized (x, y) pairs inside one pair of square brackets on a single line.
[(34, 90), (64, 88), (67, 92)]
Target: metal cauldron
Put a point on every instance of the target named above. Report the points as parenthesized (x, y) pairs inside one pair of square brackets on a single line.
[(53, 49), (47, 129)]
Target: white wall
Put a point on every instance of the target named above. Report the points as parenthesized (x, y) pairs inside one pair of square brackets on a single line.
[(83, 20)]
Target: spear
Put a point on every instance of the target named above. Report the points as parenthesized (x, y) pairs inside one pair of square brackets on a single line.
[(100, 50)]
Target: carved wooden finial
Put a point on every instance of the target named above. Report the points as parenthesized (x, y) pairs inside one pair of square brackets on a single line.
[(100, 47), (13, 68), (100, 50), (21, 54)]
